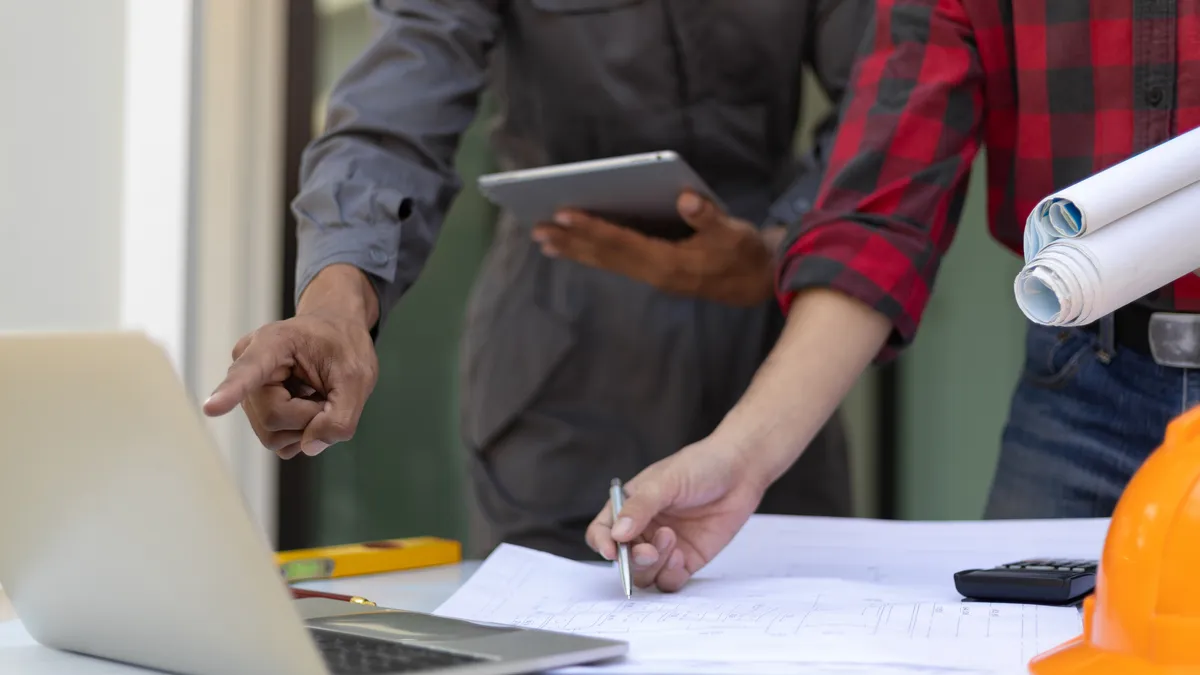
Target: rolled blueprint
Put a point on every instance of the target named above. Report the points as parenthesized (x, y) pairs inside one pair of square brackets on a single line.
[(1104, 198), (1075, 281)]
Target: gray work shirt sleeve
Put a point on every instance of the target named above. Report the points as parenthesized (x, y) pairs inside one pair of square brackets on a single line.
[(831, 49), (376, 185)]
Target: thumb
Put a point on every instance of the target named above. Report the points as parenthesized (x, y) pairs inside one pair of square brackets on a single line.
[(699, 212), (336, 422), (648, 496)]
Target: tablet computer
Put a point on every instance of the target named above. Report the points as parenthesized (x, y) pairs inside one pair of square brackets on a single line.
[(636, 191)]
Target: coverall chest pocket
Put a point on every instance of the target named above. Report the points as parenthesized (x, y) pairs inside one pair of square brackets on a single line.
[(582, 6)]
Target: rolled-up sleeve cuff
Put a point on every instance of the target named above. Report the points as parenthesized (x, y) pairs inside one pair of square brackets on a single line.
[(363, 230), (381, 275), (871, 265)]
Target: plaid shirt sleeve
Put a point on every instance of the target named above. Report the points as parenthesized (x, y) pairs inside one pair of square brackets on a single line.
[(893, 192)]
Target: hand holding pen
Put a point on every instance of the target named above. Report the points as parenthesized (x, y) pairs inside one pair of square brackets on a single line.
[(676, 515)]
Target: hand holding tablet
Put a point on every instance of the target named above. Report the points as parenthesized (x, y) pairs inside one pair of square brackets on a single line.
[(634, 191), (667, 230)]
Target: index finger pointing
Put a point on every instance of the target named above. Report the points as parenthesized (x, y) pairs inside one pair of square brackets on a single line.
[(253, 369)]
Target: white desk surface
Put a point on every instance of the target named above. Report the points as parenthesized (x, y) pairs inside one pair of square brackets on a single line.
[(952, 546), (418, 590)]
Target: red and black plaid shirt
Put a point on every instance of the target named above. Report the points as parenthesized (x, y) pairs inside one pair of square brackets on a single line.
[(1056, 90)]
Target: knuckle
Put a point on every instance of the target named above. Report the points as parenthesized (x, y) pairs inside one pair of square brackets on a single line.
[(606, 236), (665, 273), (272, 419), (650, 493), (278, 441), (239, 347), (355, 371), (300, 340), (341, 429), (681, 278)]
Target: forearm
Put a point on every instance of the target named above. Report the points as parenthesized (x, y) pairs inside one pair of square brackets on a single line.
[(856, 279), (829, 340), (344, 291)]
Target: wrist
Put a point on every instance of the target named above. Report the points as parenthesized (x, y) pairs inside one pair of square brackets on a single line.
[(343, 291)]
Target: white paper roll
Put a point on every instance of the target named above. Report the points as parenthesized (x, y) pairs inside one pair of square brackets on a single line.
[(1104, 198), (1075, 281)]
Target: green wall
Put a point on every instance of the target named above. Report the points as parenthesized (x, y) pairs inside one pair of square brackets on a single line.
[(956, 381)]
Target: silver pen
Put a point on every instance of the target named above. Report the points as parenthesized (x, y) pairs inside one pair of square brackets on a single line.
[(617, 496)]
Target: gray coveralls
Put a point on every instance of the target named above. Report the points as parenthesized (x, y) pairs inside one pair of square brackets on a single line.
[(573, 376)]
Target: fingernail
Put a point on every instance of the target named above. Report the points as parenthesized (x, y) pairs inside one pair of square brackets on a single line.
[(549, 251), (644, 559), (563, 219), (676, 560), (539, 237), (689, 204), (315, 448), (623, 528)]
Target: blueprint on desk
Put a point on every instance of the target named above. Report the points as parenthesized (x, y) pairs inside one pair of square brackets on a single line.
[(906, 553), (757, 623)]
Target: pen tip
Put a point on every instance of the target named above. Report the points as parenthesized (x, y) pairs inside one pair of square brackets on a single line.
[(616, 482)]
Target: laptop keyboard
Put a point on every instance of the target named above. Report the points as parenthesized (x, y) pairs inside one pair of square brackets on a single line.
[(354, 655)]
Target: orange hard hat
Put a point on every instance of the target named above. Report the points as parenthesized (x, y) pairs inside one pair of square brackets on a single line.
[(1144, 616)]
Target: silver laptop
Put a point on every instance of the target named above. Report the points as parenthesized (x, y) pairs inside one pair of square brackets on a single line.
[(123, 536)]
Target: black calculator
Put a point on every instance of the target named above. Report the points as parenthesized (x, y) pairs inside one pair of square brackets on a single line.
[(1047, 581)]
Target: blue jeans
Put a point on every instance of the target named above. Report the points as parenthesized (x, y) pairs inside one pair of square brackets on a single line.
[(1084, 417)]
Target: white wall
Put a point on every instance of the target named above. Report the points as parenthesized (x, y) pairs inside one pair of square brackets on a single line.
[(94, 166), (61, 136), (140, 183), (157, 169)]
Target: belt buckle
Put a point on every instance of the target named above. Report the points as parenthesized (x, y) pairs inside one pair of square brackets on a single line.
[(1175, 339)]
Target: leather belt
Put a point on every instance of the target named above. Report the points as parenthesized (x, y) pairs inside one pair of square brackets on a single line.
[(1172, 339)]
